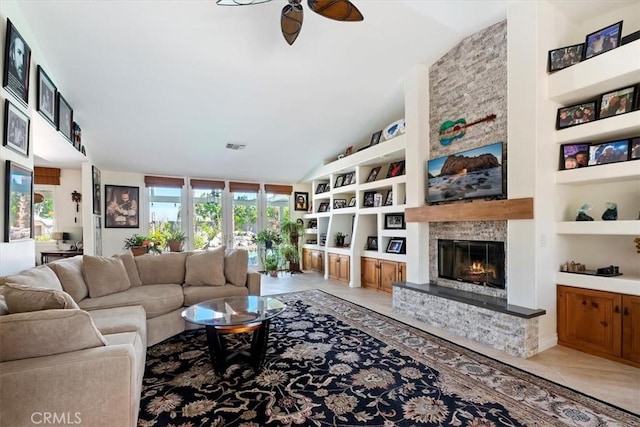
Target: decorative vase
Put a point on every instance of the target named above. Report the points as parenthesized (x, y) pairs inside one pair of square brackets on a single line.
[(340, 241), (611, 213), (138, 250)]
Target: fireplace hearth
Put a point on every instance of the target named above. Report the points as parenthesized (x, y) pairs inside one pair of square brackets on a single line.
[(472, 261)]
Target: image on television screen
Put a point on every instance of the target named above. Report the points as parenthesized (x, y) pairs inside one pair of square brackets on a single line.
[(471, 174)]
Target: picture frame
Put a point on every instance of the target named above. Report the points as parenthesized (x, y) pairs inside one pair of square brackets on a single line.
[(17, 64), (313, 223), (16, 129), (324, 207), (301, 201), (618, 102), (47, 94), (609, 152), (349, 179), (18, 203), (603, 40), (374, 174), (368, 199), (97, 236), (396, 169), (634, 148), (388, 200), (394, 221), (574, 156), (339, 181), (576, 115), (564, 57), (320, 188), (121, 206), (377, 200), (64, 118), (352, 202), (375, 138), (339, 203), (372, 243), (348, 151), (396, 245), (96, 184)]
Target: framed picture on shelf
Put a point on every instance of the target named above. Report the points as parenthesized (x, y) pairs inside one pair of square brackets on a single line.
[(388, 201), (618, 102), (324, 207), (603, 40), (565, 57), (18, 203), (394, 222), (396, 169), (121, 205), (372, 243), (302, 200), (17, 63), (574, 156), (339, 181), (349, 179), (313, 223), (16, 129), (367, 201), (47, 92), (320, 188), (373, 174), (97, 193), (634, 150), (609, 152), (348, 151), (64, 119), (375, 138), (396, 246), (352, 202), (576, 115), (339, 203), (377, 200)]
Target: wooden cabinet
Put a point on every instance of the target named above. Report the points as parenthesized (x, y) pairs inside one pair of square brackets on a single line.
[(381, 274), (600, 323), (313, 260), (339, 267)]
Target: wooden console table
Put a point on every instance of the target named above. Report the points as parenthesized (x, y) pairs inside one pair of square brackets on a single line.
[(47, 256)]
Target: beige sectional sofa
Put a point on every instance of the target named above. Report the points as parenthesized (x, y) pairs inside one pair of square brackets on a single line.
[(73, 333)]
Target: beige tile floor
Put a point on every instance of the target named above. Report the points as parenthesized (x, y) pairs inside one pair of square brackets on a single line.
[(612, 382)]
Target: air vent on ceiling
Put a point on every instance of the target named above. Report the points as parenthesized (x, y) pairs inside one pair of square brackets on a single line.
[(235, 146)]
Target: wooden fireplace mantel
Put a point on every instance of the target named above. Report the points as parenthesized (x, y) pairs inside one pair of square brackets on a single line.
[(494, 210)]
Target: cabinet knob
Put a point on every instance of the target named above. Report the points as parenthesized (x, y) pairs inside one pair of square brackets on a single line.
[(594, 304), (616, 309), (626, 311), (584, 302), (605, 324)]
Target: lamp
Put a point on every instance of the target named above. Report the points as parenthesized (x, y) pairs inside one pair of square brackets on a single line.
[(59, 236)]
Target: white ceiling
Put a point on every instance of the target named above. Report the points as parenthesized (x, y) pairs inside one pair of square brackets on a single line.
[(161, 87)]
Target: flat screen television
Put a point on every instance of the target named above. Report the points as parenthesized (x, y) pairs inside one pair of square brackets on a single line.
[(470, 174)]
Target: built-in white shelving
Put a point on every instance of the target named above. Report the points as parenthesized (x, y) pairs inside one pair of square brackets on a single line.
[(622, 126), (622, 284), (607, 228), (612, 172), (53, 147)]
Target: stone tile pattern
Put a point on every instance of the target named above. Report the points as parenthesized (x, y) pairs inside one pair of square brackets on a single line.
[(513, 335)]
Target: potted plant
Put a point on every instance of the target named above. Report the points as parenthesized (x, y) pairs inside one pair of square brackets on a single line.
[(340, 239), (292, 230), (292, 255), (175, 240), (271, 264), (268, 238), (135, 244)]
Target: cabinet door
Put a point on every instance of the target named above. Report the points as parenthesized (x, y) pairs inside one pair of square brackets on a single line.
[(388, 274), (631, 327), (369, 270), (343, 268), (316, 261), (402, 272), (306, 259), (334, 272), (590, 320)]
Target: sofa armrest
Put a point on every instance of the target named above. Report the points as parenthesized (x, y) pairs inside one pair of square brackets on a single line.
[(253, 282), (93, 387)]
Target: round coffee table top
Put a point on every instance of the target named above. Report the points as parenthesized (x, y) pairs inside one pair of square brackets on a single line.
[(234, 311)]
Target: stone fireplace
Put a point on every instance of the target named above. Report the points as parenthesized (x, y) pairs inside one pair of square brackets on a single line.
[(478, 262)]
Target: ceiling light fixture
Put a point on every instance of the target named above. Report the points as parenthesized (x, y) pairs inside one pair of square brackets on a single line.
[(292, 14), (236, 147)]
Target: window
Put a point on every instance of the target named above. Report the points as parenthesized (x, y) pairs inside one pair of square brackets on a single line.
[(43, 214), (207, 219), (245, 223), (277, 210), (165, 212)]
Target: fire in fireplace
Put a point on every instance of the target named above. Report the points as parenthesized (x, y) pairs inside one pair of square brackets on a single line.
[(472, 261)]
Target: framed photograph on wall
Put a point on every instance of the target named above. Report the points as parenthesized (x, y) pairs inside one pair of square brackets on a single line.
[(301, 200), (18, 203), (64, 118), (574, 156), (394, 222), (609, 152), (16, 129), (97, 193), (618, 102), (47, 93), (372, 243), (576, 115), (17, 62), (565, 57), (121, 205), (396, 245), (603, 40), (634, 148)]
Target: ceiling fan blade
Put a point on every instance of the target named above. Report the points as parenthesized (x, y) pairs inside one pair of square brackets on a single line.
[(340, 10), (291, 22)]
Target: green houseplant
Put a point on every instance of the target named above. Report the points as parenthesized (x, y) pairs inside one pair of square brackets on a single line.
[(268, 238), (140, 245), (340, 239), (292, 230), (271, 264), (175, 240)]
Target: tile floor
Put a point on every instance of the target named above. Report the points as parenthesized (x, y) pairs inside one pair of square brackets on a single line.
[(612, 382)]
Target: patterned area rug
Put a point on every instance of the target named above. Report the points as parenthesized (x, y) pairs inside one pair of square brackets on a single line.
[(334, 363)]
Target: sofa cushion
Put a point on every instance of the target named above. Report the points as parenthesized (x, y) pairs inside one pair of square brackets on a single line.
[(104, 276), (131, 267), (3, 306), (69, 272), (236, 265), (206, 268), (21, 298), (37, 277), (48, 331), (196, 294), (121, 319), (161, 269), (156, 299)]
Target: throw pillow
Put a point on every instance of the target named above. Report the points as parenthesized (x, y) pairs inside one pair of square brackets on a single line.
[(104, 276), (130, 266), (206, 268), (37, 277), (69, 272), (22, 298), (161, 269), (236, 265)]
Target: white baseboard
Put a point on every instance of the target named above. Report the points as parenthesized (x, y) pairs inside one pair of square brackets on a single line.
[(547, 343)]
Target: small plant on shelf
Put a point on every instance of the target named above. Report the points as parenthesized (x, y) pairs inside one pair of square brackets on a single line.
[(340, 239)]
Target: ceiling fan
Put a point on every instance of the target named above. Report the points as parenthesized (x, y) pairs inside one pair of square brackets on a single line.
[(292, 14)]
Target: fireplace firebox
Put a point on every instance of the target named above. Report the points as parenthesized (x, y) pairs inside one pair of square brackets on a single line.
[(472, 261)]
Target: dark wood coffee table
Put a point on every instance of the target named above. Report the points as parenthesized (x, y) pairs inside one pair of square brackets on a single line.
[(235, 315)]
